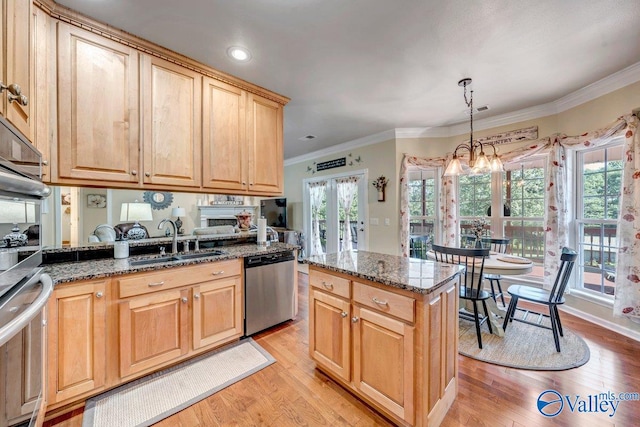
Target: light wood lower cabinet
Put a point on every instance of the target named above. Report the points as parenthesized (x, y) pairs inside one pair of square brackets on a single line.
[(104, 333), (395, 349), (153, 330), (217, 312), (330, 332), (76, 340)]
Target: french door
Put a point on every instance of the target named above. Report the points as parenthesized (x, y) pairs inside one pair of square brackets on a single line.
[(335, 210)]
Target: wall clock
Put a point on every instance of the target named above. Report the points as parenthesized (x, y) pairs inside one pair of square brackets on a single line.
[(158, 199)]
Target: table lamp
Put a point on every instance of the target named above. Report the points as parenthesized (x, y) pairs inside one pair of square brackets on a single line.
[(136, 212), (16, 212), (178, 212)]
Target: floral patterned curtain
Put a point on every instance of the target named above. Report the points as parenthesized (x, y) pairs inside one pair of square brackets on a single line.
[(317, 191), (627, 298), (346, 189)]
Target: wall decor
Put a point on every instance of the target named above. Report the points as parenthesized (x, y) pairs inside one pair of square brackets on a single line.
[(508, 137), (96, 201), (335, 163), (225, 199), (158, 199), (65, 198), (381, 183)]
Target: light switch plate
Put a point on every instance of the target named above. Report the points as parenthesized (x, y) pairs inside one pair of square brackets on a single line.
[(373, 221), (387, 221)]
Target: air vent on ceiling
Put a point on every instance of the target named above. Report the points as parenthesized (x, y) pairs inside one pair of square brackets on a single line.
[(483, 108), (308, 138)]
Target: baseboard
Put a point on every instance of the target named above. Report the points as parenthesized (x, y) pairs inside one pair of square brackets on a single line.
[(607, 324)]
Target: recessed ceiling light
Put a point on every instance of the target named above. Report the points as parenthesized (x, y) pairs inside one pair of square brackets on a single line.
[(238, 53)]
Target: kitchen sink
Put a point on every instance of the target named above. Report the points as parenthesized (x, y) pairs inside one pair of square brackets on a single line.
[(170, 258)]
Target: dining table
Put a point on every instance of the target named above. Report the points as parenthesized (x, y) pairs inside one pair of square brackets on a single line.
[(504, 265)]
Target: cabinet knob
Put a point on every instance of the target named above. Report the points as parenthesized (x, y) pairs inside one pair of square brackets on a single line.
[(354, 319), (15, 94), (45, 162), (99, 294), (153, 285), (134, 172), (244, 183), (217, 273), (184, 299), (147, 174), (343, 314), (196, 296)]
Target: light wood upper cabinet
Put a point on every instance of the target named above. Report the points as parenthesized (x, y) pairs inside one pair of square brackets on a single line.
[(172, 123), (98, 108), (76, 340), (264, 134), (224, 144), (17, 64)]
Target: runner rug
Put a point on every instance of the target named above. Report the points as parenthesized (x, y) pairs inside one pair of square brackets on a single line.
[(152, 398)]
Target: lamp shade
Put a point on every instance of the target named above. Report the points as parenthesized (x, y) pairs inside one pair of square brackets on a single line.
[(12, 212), (136, 212), (454, 168), (179, 212)]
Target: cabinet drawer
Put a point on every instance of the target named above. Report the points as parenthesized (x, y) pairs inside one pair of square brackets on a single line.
[(329, 283), (396, 305), (143, 283)]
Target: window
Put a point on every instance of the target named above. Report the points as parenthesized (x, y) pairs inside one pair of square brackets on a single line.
[(423, 205), (598, 201), (474, 200), (523, 210)]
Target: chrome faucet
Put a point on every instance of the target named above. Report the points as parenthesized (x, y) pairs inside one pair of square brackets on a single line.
[(174, 243)]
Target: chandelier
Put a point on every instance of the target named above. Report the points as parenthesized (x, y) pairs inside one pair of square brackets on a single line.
[(478, 161)]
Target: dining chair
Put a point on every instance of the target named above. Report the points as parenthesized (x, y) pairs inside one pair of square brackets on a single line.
[(499, 246), (471, 288), (552, 299)]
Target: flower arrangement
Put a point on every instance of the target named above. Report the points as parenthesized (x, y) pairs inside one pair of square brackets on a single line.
[(380, 182), (478, 227)]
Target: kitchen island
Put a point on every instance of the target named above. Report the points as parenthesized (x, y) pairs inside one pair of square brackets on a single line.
[(386, 328)]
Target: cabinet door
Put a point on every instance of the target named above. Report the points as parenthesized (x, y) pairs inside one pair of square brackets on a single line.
[(217, 312), (264, 135), (172, 120), (383, 361), (153, 330), (223, 136), (98, 104), (19, 62), (76, 340), (329, 333), (23, 377)]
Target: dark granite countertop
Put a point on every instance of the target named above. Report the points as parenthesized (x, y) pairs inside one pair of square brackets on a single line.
[(416, 275), (94, 269)]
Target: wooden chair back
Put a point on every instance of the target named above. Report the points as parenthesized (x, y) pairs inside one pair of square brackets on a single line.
[(472, 259), (496, 245), (567, 260)]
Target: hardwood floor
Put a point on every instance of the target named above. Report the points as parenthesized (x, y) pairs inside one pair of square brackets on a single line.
[(292, 392)]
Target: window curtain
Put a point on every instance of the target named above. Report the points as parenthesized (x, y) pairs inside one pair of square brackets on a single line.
[(627, 298), (447, 200), (346, 189), (317, 191)]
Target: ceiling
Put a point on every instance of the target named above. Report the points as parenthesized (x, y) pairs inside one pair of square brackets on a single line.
[(354, 68)]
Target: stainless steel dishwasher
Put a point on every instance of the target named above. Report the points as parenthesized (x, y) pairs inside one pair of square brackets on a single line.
[(268, 290)]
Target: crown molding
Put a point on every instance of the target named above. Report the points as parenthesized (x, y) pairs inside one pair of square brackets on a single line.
[(611, 83), (349, 145)]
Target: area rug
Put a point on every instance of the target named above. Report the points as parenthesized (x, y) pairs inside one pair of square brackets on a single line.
[(152, 398), (523, 347)]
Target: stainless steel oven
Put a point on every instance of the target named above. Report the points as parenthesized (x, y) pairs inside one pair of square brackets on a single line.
[(24, 289)]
